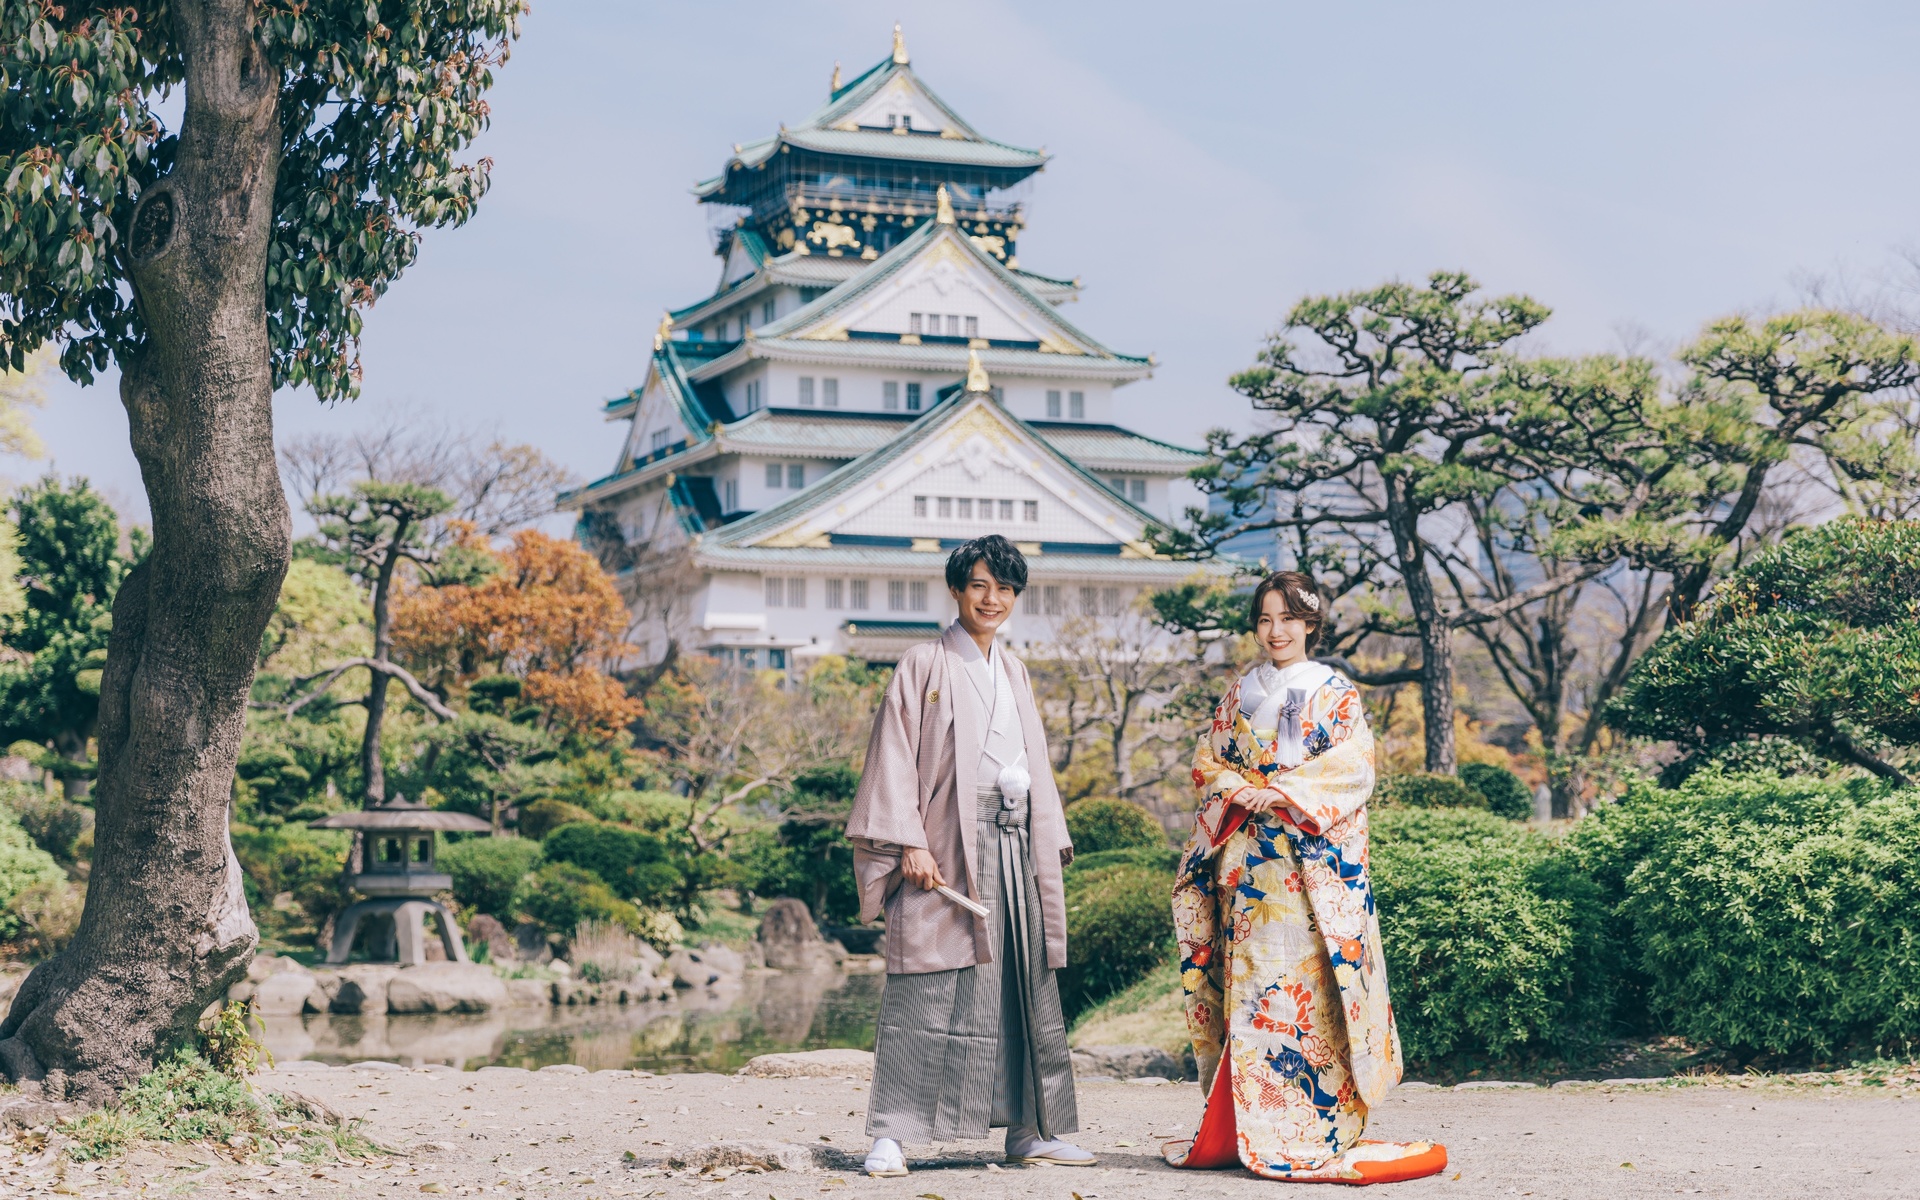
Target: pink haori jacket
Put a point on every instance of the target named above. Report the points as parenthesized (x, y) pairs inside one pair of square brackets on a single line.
[(918, 790)]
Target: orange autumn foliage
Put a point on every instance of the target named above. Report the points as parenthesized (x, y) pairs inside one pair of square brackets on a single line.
[(551, 616)]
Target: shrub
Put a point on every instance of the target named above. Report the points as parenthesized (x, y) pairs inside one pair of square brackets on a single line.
[(1491, 941), (55, 823), (1119, 927), (183, 1099), (542, 817), (1162, 858), (599, 952), (25, 871), (559, 896), (1105, 823), (1507, 795), (487, 870), (632, 863), (1423, 789), (1771, 915)]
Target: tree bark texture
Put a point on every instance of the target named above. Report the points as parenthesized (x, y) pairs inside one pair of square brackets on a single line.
[(166, 928), (1435, 627)]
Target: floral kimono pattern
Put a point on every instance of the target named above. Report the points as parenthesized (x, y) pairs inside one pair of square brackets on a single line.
[(1286, 991)]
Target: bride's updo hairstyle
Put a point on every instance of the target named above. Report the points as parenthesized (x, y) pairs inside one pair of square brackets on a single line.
[(1301, 596)]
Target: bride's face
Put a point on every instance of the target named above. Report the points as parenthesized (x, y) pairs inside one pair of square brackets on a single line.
[(1284, 638)]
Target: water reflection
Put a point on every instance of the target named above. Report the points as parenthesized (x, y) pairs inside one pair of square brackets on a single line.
[(713, 1029)]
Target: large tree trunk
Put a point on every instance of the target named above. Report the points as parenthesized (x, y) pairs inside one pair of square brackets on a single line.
[(166, 927)]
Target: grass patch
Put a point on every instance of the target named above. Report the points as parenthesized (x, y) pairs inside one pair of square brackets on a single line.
[(1151, 1012), (185, 1099)]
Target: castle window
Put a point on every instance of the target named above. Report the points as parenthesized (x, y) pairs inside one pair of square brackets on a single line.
[(796, 475), (913, 397), (659, 440), (806, 391), (1050, 599), (730, 495), (796, 593), (890, 395), (1030, 510), (986, 510), (1053, 405), (953, 324), (896, 595), (776, 592), (836, 593), (857, 594), (973, 327), (773, 475), (913, 323), (1077, 405), (1089, 602), (1030, 602), (917, 595), (766, 312), (1137, 491), (1110, 601), (920, 506), (830, 393), (1118, 484), (966, 508), (753, 396), (944, 507), (1006, 511)]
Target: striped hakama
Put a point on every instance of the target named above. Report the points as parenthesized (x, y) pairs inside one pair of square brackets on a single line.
[(959, 1052)]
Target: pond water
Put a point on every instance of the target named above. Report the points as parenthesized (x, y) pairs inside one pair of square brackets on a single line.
[(715, 1029)]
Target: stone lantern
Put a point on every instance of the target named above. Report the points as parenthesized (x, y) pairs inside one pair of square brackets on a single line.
[(400, 876)]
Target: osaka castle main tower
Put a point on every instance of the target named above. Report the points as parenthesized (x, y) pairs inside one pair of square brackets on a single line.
[(875, 379)]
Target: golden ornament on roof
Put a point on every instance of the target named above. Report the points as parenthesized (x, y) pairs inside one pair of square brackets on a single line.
[(665, 331), (834, 84), (899, 46), (977, 380), (942, 206)]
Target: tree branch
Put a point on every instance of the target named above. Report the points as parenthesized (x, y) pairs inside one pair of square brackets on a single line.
[(415, 688)]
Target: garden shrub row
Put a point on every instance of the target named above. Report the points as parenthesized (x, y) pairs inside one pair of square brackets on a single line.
[(1753, 914)]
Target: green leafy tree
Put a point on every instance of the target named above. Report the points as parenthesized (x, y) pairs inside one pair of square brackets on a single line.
[(1832, 384), (484, 764), (69, 548), (1409, 404), (370, 531), (1816, 640), (213, 261)]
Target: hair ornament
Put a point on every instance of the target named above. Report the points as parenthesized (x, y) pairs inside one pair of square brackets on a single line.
[(1311, 601)]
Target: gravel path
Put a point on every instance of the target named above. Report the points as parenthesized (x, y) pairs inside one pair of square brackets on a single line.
[(513, 1134)]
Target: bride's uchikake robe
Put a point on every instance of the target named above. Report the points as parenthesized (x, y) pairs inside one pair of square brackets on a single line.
[(1279, 942)]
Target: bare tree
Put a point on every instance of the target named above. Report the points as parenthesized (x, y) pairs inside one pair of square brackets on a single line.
[(1122, 700), (724, 734)]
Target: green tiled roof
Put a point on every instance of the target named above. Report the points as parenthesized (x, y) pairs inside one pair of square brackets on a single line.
[(816, 133)]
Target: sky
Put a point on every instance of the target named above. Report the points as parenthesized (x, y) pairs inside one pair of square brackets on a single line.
[(1639, 167)]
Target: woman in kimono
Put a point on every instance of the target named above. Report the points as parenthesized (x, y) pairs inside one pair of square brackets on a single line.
[(1286, 992)]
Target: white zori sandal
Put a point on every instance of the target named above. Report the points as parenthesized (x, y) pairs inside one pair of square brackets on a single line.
[(1026, 1146), (886, 1160)]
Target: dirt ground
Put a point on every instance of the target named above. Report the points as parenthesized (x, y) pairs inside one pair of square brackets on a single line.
[(514, 1134)]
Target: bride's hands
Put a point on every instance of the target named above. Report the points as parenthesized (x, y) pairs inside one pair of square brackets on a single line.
[(1261, 800)]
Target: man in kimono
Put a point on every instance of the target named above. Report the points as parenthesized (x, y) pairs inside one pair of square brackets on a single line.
[(960, 840)]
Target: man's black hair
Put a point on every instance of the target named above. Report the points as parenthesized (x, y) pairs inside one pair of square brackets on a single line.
[(1004, 562)]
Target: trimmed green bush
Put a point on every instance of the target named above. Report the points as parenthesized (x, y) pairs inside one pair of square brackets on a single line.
[(542, 817), (1507, 794), (487, 870), (1423, 789), (24, 869), (1769, 915), (1492, 944), (1162, 858), (1105, 823), (1119, 927), (634, 864), (559, 896)]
